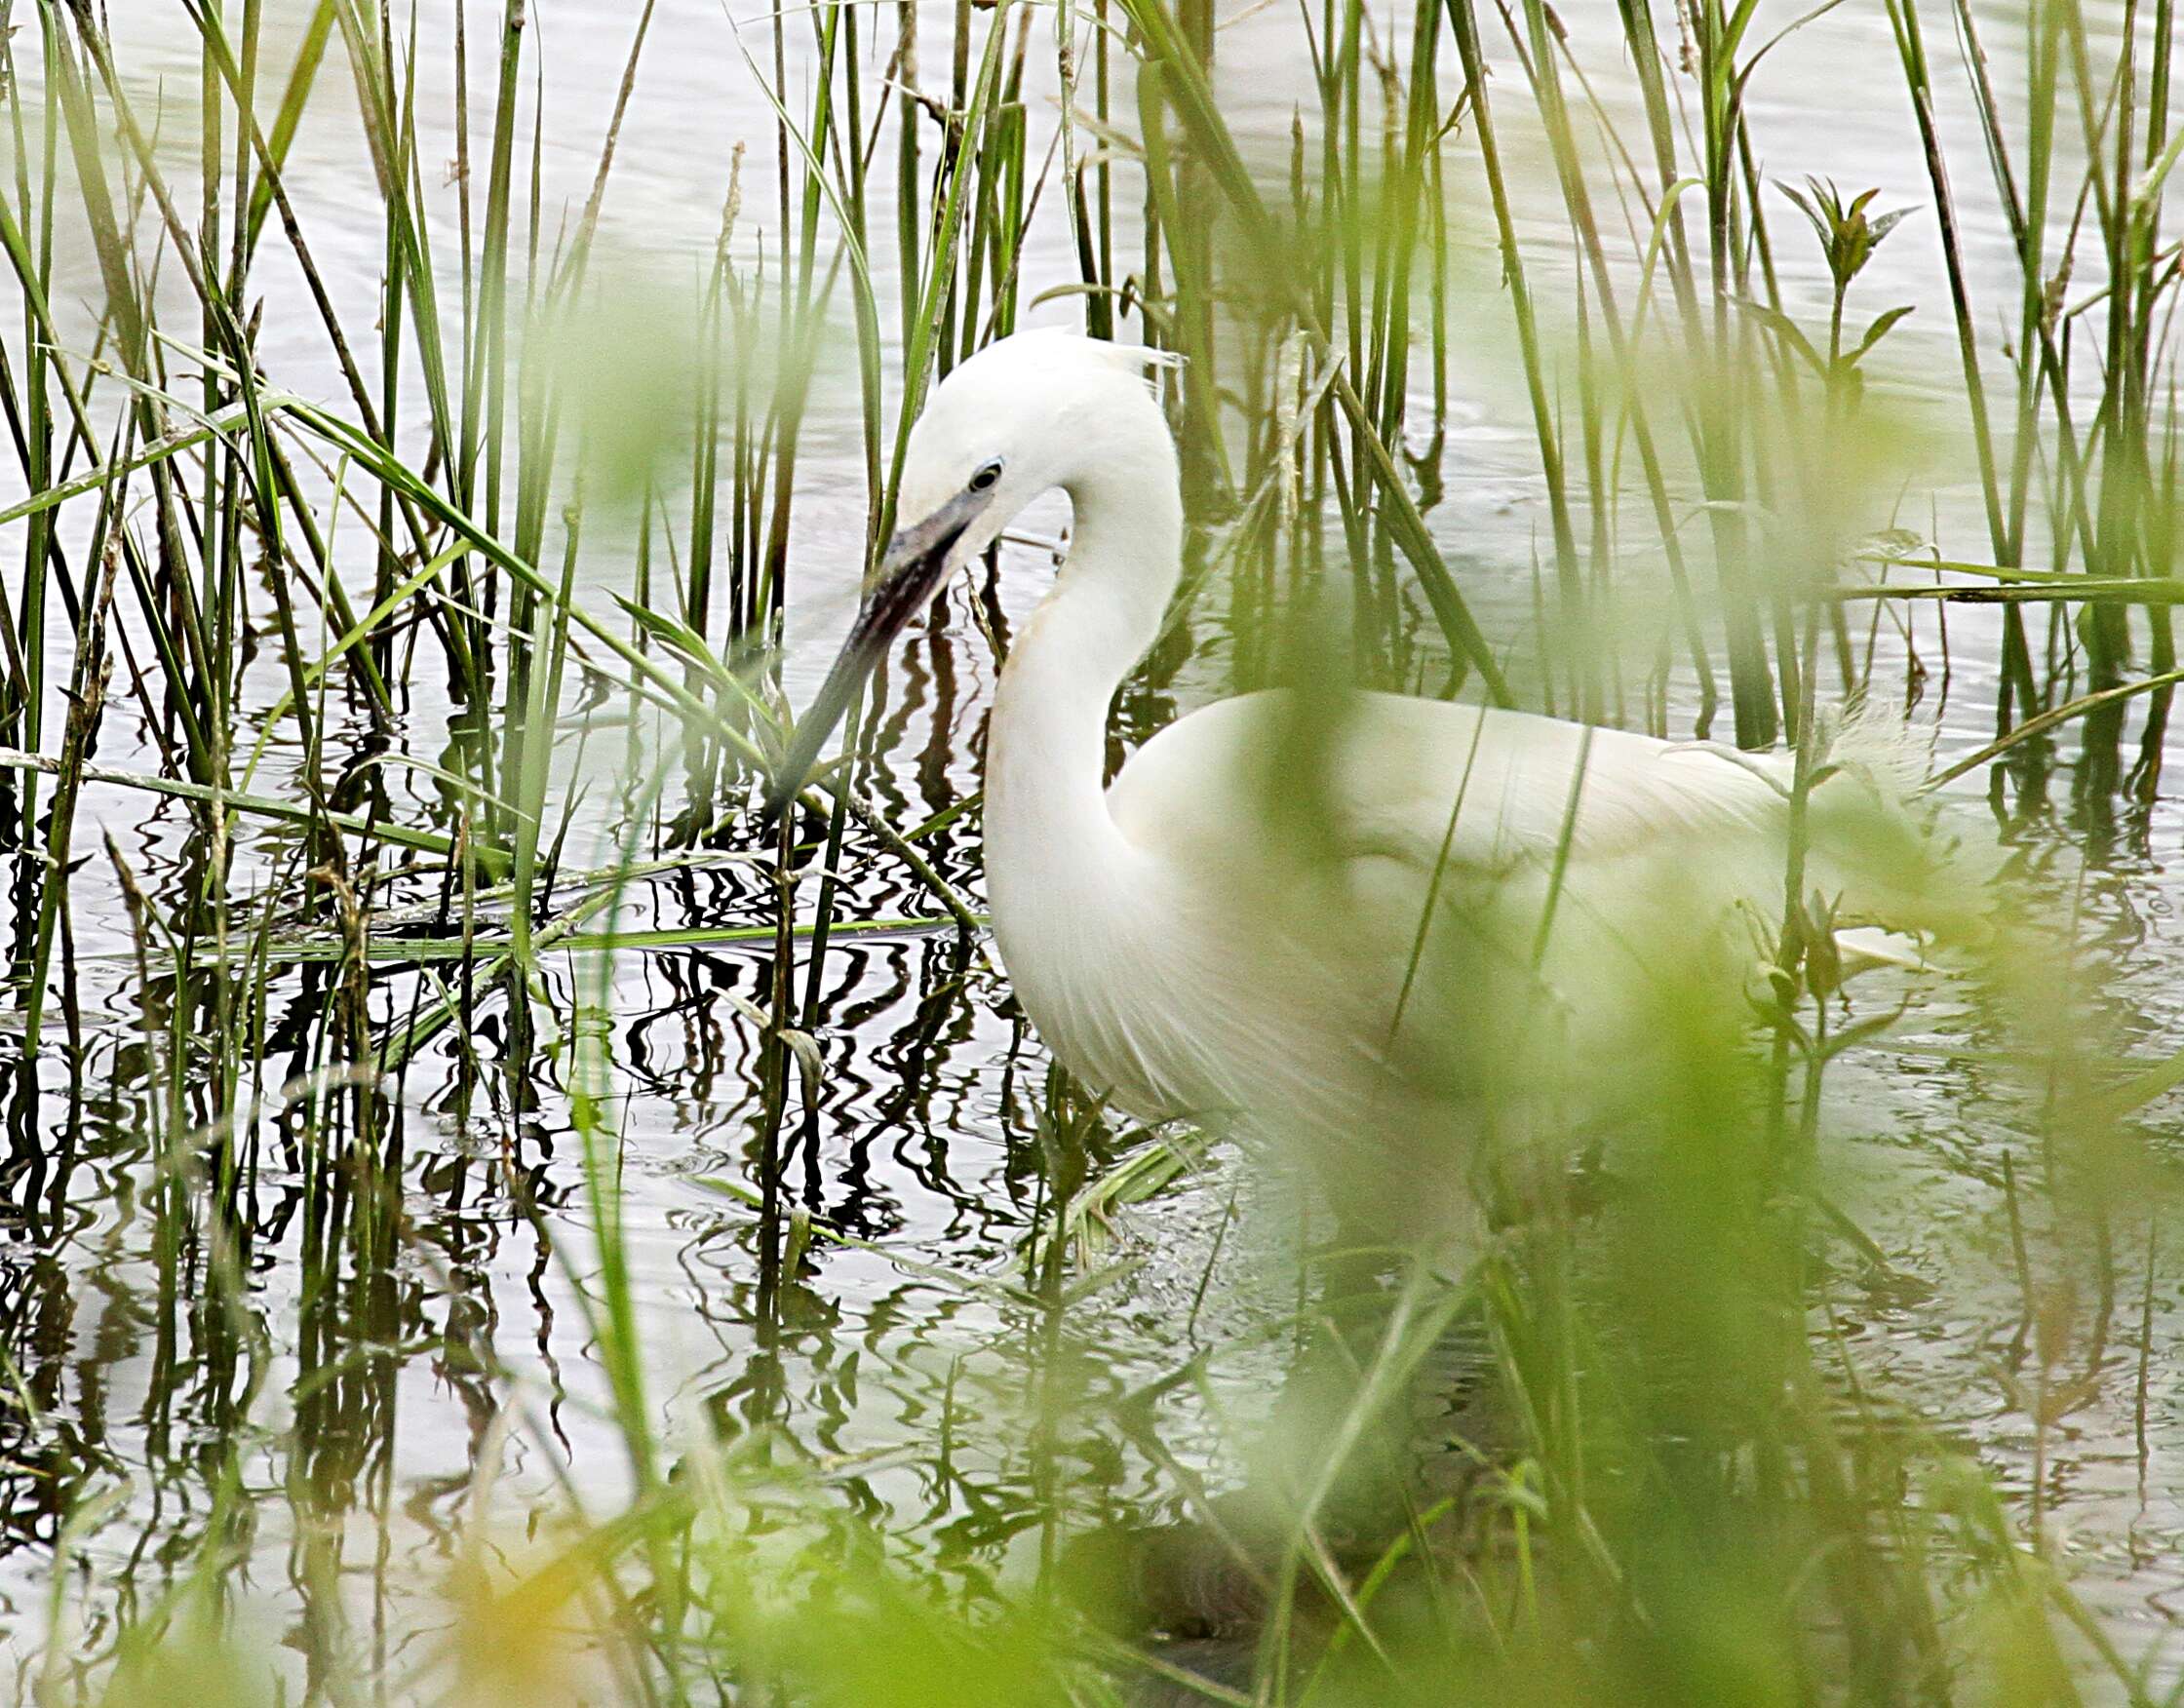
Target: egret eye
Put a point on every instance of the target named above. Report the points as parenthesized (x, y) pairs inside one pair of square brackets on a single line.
[(988, 473)]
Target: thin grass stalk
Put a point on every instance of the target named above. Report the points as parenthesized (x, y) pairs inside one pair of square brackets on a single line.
[(167, 594), (1569, 172), (2028, 220), (1719, 33), (36, 430), (2121, 419), (1910, 41), (2157, 517), (2139, 201), (1568, 578), (86, 699), (485, 409)]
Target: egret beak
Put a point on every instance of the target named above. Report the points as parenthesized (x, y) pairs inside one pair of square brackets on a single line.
[(910, 571)]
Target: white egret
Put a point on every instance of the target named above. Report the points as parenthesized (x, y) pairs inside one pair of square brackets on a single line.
[(1166, 934)]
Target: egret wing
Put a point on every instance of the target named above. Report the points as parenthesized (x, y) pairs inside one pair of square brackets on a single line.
[(1483, 794), (1427, 779)]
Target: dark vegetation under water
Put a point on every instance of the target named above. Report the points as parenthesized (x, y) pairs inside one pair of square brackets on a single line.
[(484, 1222)]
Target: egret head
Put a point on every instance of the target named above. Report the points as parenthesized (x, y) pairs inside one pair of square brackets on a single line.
[(1024, 415)]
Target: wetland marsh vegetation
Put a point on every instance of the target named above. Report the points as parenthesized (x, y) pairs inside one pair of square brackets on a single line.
[(487, 1219)]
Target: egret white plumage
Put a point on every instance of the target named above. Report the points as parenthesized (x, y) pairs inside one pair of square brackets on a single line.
[(1184, 943)]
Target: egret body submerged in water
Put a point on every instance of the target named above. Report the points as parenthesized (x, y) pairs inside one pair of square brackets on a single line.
[(1297, 907)]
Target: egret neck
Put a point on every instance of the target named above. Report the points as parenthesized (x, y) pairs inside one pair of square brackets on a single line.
[(1051, 843)]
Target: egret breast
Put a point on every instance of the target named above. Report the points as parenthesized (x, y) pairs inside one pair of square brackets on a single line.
[(1196, 988)]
